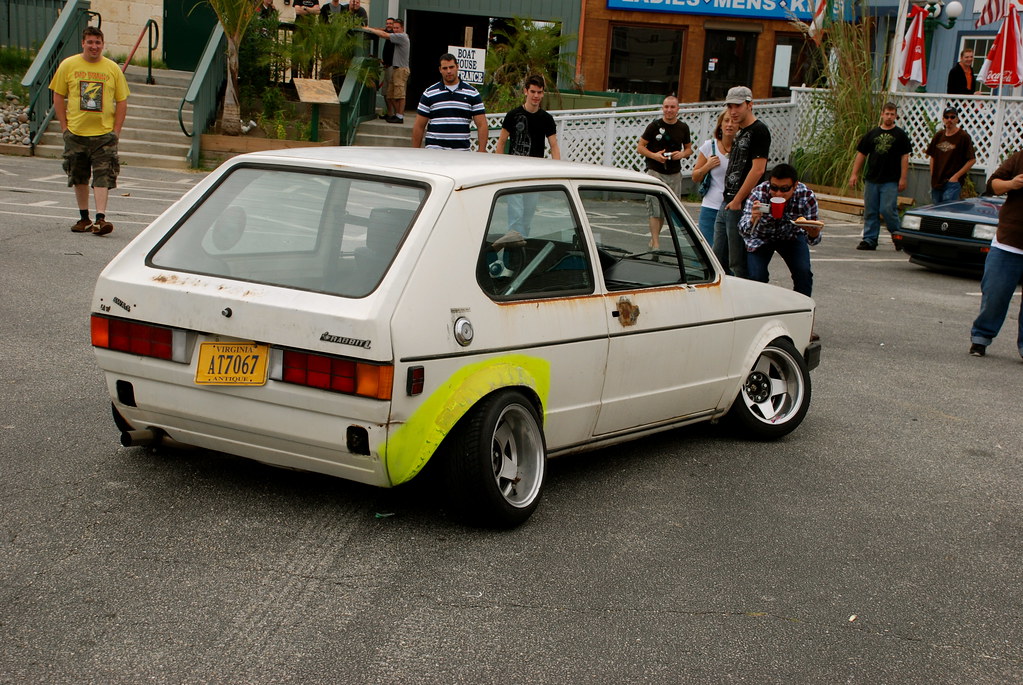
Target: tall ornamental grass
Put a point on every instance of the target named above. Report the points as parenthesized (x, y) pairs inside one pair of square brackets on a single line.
[(849, 104)]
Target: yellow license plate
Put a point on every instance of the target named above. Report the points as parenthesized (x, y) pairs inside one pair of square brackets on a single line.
[(232, 363)]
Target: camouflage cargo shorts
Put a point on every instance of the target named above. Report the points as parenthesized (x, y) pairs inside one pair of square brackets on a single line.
[(94, 156)]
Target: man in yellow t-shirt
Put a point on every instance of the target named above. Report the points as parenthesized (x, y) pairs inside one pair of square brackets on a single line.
[(90, 99)]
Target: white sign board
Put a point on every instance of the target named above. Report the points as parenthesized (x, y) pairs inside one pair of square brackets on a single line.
[(471, 63)]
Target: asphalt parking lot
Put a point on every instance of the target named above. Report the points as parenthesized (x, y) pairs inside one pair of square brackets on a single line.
[(879, 543)]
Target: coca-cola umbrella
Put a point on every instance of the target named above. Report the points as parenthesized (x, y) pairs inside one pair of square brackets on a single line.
[(912, 64), (1004, 63)]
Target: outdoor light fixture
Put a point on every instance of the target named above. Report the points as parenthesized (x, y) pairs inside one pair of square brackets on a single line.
[(953, 10)]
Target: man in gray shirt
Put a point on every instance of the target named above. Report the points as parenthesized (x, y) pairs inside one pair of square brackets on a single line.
[(397, 73)]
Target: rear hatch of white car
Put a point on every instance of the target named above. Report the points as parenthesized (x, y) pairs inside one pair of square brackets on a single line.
[(256, 320)]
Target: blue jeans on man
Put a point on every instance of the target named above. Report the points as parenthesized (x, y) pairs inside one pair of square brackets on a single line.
[(948, 192), (879, 200), (1003, 273), (796, 254), (729, 247)]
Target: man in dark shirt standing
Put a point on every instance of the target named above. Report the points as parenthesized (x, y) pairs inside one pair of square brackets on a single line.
[(664, 144), (952, 157), (746, 166), (961, 79), (885, 150), (523, 133), (527, 126)]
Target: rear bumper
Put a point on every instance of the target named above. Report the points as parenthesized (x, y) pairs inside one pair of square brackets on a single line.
[(279, 427)]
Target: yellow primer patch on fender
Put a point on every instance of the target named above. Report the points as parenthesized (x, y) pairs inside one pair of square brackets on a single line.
[(413, 443)]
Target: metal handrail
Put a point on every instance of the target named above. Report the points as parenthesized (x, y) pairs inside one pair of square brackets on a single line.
[(63, 41), (151, 27), (203, 91)]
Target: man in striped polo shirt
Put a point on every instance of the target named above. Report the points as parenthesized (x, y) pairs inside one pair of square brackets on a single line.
[(445, 109)]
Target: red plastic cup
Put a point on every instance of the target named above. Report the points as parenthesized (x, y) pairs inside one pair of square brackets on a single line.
[(777, 207)]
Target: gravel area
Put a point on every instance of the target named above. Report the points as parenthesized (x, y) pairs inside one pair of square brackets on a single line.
[(13, 121)]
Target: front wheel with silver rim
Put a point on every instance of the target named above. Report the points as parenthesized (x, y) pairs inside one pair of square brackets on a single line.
[(775, 394), (497, 461)]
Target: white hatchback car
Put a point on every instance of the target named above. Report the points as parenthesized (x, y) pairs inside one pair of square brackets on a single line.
[(359, 312)]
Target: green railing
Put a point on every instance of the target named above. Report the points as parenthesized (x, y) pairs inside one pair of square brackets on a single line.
[(64, 40), (357, 100), (25, 23), (204, 91)]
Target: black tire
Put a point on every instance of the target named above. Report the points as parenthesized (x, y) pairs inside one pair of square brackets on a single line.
[(775, 394), (496, 461)]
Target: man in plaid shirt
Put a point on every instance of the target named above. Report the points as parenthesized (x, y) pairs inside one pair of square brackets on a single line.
[(790, 236)]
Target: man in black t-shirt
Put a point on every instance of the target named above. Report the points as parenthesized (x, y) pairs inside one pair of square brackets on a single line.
[(526, 127), (523, 133), (885, 150), (747, 163), (664, 144)]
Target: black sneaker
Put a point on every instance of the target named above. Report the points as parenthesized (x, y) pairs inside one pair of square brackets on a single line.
[(864, 245), (395, 120), (978, 350)]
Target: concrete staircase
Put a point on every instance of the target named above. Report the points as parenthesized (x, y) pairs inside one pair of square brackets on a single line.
[(379, 132), (151, 136)]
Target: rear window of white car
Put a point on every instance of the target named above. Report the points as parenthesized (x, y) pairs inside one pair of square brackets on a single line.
[(312, 231)]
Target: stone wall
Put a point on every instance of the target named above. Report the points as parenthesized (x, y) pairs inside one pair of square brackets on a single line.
[(124, 19)]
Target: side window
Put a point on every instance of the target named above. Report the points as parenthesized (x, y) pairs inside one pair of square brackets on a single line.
[(533, 248), (623, 224)]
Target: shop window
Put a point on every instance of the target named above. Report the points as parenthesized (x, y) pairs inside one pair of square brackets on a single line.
[(645, 60), (796, 63)]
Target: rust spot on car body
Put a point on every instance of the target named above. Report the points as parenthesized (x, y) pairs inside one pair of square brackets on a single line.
[(628, 312)]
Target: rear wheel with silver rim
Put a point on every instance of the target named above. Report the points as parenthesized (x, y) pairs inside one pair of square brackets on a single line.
[(496, 462)]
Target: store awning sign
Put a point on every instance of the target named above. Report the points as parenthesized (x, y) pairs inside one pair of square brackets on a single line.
[(760, 9)]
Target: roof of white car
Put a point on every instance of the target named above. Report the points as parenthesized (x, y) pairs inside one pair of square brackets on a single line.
[(465, 169)]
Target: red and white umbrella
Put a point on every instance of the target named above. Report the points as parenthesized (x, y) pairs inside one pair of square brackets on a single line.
[(1004, 63), (912, 64)]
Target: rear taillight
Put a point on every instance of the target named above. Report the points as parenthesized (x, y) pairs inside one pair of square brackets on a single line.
[(332, 373), (143, 339)]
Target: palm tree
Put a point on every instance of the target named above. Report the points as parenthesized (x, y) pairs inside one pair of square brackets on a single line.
[(234, 17), (522, 48)]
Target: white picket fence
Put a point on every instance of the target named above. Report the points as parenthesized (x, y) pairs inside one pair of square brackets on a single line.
[(609, 136)]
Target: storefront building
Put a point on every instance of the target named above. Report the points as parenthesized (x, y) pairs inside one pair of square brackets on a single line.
[(696, 49)]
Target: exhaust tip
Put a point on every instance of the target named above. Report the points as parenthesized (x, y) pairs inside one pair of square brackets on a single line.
[(138, 438)]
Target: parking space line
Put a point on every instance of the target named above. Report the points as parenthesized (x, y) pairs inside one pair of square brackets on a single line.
[(62, 217)]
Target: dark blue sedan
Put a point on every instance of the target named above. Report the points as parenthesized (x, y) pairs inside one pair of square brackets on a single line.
[(952, 236)]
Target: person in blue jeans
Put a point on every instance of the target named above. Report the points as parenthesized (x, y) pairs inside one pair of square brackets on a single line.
[(951, 153), (712, 161), (1003, 268), (885, 153), (788, 235)]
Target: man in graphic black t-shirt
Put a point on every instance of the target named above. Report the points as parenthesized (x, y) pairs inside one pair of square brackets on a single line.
[(746, 165), (523, 133), (885, 152)]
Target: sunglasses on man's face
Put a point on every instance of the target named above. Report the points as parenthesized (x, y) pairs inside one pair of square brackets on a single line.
[(780, 189), (950, 116)]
